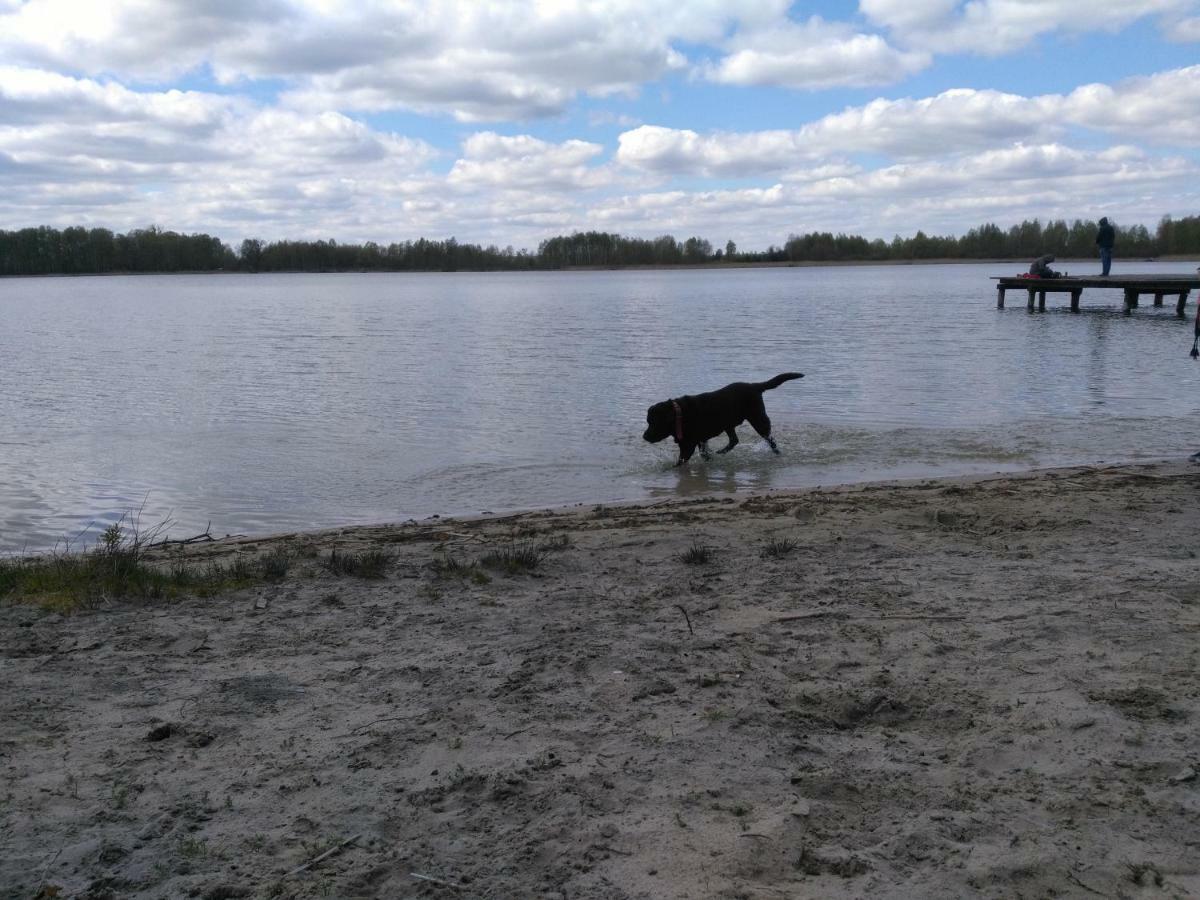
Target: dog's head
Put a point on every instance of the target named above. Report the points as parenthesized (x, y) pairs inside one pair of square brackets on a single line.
[(660, 422)]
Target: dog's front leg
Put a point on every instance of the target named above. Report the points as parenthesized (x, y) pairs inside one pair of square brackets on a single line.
[(704, 454), (685, 453)]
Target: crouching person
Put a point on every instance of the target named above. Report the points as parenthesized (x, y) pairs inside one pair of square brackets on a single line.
[(1041, 268)]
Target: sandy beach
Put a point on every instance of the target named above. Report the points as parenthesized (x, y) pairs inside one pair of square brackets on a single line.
[(941, 689)]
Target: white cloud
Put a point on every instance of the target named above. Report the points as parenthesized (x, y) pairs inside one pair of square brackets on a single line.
[(189, 159), (953, 121), (142, 38), (1159, 108), (525, 163), (92, 147), (822, 173), (526, 59), (477, 61), (1162, 108), (1183, 29), (39, 96), (682, 151), (1018, 169), (601, 117), (996, 27), (1041, 180), (1045, 181), (813, 55), (908, 15)]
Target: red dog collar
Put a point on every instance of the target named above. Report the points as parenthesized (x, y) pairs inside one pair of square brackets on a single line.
[(678, 422)]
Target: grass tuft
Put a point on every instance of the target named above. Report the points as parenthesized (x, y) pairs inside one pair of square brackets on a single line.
[(116, 567), (120, 566), (450, 566), (368, 564), (779, 548), (559, 542), (515, 558), (696, 555), (275, 564)]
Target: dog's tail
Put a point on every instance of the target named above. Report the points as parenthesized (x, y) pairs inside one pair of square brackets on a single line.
[(777, 381)]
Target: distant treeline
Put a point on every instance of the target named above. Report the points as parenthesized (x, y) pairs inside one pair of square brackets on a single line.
[(80, 251)]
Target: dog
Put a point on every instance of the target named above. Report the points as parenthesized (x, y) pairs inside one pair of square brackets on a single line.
[(695, 418)]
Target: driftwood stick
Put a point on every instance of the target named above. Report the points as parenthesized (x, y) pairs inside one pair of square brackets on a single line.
[(1117, 470), (813, 615), (361, 728), (459, 534), (430, 878), (328, 853), (604, 848), (205, 536), (1086, 887), (687, 618), (840, 615), (46, 868)]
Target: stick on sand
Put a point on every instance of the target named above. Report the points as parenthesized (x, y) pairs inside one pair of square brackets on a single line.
[(316, 859)]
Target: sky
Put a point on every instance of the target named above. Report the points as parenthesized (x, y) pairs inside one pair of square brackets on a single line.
[(507, 123)]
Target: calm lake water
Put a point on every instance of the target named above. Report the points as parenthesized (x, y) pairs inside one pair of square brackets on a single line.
[(276, 402)]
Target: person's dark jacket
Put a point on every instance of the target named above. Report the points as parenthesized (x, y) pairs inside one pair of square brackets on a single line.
[(1106, 235), (1041, 267)]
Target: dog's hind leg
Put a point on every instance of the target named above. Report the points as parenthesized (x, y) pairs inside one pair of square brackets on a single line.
[(733, 441), (761, 423)]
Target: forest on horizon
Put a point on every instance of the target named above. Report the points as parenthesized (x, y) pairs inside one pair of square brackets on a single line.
[(86, 251)]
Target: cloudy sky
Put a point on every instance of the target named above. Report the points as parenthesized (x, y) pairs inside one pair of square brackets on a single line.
[(509, 122)]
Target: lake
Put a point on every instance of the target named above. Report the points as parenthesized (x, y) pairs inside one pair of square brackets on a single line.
[(265, 403)]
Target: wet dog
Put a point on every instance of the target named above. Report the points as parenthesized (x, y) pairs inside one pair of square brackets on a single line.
[(695, 418)]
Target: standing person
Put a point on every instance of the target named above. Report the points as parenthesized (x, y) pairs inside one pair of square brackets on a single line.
[(1106, 235)]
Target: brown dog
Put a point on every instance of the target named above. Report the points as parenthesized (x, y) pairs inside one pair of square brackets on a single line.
[(695, 418)]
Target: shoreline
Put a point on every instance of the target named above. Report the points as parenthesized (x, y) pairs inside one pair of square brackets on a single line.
[(574, 508), (786, 264), (931, 687), (85, 540)]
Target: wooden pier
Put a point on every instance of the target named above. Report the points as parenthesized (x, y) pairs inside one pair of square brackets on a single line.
[(1134, 286)]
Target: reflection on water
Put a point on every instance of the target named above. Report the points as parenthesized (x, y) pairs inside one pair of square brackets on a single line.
[(266, 403)]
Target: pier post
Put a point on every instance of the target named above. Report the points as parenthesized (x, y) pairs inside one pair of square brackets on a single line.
[(1075, 301), (1041, 301), (999, 297), (1158, 298), (1181, 304), (1131, 299)]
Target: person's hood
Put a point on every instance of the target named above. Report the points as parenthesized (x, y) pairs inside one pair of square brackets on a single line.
[(1104, 220)]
